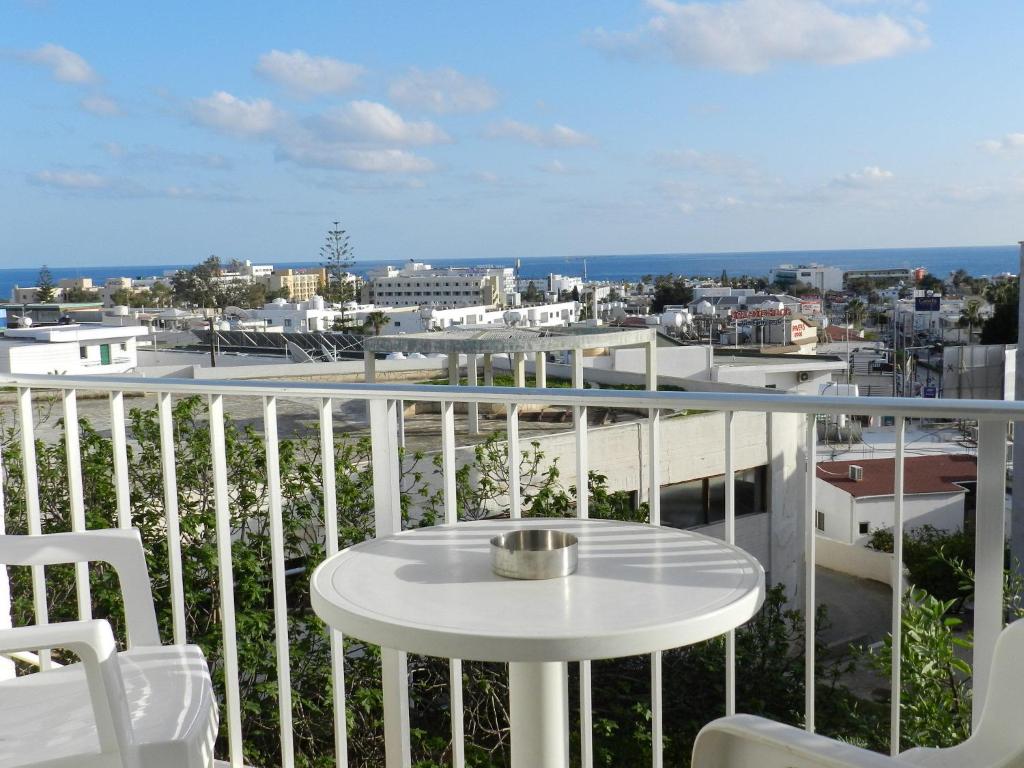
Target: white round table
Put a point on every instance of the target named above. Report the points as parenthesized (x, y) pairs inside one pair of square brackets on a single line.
[(637, 589)]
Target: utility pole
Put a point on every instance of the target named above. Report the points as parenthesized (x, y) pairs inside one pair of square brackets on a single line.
[(213, 348), (1017, 500)]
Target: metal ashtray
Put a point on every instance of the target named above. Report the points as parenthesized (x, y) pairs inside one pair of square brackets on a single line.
[(534, 553)]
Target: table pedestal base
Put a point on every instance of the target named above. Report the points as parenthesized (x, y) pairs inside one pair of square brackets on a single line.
[(538, 698)]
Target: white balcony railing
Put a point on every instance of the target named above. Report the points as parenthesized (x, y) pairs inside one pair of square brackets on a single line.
[(992, 418)]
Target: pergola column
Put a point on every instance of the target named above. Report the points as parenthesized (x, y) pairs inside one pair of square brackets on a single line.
[(540, 370), (473, 411), (519, 369), (488, 370)]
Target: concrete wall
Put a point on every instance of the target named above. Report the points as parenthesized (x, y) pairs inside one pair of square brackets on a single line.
[(753, 533), (693, 447), (853, 559)]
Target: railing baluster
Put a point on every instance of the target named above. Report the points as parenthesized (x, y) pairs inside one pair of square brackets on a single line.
[(226, 576), (330, 487), (284, 677), (170, 478), (387, 503), (76, 496), (580, 420), (119, 442), (514, 500), (989, 554), (450, 518), (7, 670), (30, 478), (730, 538), (654, 506), (810, 623), (897, 588)]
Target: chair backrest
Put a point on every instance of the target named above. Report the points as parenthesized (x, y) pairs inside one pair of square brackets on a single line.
[(122, 548), (1000, 732)]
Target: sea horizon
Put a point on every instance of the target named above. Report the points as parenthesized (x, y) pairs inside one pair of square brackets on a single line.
[(940, 261)]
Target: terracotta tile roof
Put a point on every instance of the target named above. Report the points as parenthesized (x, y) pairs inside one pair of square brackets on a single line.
[(921, 474), (838, 333)]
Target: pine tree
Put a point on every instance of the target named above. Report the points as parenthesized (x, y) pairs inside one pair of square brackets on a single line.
[(46, 290), (338, 258)]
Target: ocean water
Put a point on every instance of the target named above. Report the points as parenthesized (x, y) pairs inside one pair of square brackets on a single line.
[(978, 260)]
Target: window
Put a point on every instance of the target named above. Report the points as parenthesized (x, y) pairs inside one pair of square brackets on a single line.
[(124, 346), (863, 529), (819, 521), (83, 353)]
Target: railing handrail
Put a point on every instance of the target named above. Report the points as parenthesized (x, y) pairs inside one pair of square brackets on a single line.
[(1003, 410)]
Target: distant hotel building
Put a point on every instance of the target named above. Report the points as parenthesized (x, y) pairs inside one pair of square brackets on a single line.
[(421, 285), (904, 274), (301, 285), (820, 277)]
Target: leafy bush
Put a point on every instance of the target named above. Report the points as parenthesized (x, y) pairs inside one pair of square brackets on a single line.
[(927, 552)]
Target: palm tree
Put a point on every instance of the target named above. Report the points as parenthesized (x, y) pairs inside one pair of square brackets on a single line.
[(970, 317), (376, 320), (855, 310)]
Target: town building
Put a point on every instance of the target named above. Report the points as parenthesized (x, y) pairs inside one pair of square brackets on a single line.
[(816, 275), (297, 317), (893, 274), (420, 284), (301, 285), (855, 498), (71, 350)]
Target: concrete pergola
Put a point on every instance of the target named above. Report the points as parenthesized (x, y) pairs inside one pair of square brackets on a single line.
[(517, 343)]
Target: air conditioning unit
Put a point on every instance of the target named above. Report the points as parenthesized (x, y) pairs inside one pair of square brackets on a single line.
[(856, 473), (804, 376)]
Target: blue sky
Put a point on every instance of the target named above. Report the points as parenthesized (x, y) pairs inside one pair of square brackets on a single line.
[(148, 133)]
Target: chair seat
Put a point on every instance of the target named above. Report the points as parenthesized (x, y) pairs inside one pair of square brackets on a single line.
[(46, 718)]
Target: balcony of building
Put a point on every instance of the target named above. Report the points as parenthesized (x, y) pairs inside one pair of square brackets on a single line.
[(241, 488)]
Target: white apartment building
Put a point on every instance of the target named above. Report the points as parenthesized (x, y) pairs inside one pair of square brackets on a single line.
[(87, 348), (420, 284), (821, 277), (298, 317), (417, 319)]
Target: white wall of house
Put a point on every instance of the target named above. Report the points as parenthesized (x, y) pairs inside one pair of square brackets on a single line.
[(844, 514), (70, 357)]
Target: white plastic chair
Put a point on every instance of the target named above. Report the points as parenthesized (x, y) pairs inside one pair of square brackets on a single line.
[(743, 741), (150, 706)]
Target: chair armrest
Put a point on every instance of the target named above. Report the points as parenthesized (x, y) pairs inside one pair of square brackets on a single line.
[(742, 741), (122, 548), (93, 642)]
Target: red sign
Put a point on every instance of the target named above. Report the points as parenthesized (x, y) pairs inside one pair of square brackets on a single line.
[(760, 314)]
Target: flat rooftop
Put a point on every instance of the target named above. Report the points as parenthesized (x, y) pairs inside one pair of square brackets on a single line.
[(500, 340)]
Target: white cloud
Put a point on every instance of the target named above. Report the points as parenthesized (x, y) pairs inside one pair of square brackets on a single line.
[(558, 168), (556, 136), (315, 154), (711, 163), (73, 180), (231, 115), (300, 72), (869, 176), (64, 65), (368, 121), (443, 90), (101, 105), (1008, 143), (157, 158), (748, 36)]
